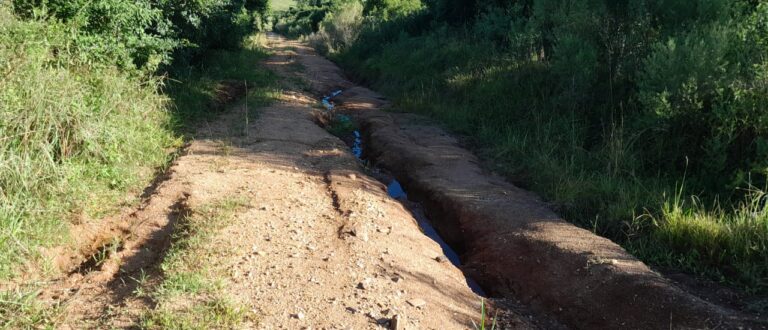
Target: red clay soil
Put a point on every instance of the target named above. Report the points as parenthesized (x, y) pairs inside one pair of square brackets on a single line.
[(509, 240)]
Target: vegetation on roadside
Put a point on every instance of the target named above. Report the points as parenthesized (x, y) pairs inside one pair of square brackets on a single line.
[(202, 92), (642, 120), (21, 310), (191, 295), (93, 94), (484, 319)]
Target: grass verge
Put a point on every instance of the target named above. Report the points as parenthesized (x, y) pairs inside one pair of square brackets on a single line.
[(74, 138), (79, 143)]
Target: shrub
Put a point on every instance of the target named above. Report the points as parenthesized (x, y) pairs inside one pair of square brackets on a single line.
[(339, 29)]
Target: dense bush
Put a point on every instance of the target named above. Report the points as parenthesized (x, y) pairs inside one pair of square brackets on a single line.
[(339, 28), (139, 33), (338, 22)]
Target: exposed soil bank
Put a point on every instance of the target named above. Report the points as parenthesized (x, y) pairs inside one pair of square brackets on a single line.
[(509, 240)]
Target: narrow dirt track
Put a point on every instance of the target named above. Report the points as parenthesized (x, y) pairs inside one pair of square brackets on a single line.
[(320, 244)]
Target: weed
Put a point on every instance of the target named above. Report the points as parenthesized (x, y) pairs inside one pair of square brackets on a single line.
[(341, 126), (141, 282), (483, 318), (20, 310)]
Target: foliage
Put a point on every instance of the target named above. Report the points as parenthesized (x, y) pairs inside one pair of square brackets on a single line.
[(340, 20), (122, 32), (84, 121), (145, 33), (339, 29), (603, 107), (74, 136)]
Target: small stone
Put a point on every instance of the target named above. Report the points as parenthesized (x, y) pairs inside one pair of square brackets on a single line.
[(299, 315), (352, 176), (365, 284), (418, 303), (261, 253), (397, 322), (441, 259)]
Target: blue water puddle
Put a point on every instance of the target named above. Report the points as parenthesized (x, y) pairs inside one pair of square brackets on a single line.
[(396, 191), (357, 146)]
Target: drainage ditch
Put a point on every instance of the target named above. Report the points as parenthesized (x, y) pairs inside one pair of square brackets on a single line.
[(395, 190)]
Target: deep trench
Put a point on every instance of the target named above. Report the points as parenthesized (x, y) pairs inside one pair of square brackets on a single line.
[(397, 191)]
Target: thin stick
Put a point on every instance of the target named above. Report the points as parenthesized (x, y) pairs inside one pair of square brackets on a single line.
[(246, 108)]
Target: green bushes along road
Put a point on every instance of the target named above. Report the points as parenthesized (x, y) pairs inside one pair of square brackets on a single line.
[(85, 118), (646, 121)]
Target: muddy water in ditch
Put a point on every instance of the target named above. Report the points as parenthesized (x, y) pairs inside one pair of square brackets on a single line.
[(397, 192)]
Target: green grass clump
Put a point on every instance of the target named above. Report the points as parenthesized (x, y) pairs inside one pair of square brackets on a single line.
[(341, 126), (191, 294), (728, 245), (74, 138), (211, 314), (21, 310)]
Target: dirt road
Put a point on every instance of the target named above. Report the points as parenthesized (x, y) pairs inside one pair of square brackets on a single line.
[(267, 221), (310, 240)]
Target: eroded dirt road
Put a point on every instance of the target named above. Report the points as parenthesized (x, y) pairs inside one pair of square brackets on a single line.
[(315, 242), (268, 221)]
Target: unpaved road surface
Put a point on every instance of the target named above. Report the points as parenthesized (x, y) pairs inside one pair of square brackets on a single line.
[(318, 245), (315, 242)]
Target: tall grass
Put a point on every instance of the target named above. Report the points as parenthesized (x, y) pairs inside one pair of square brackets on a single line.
[(726, 244), (73, 138), (79, 139)]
